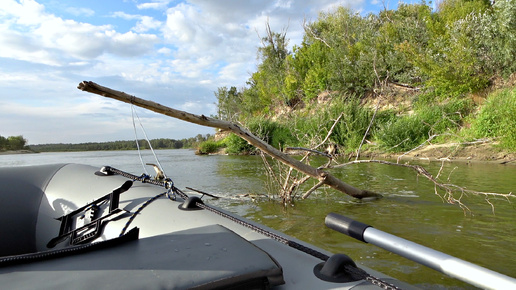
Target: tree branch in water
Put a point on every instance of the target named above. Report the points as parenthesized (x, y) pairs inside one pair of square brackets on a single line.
[(320, 175), (449, 189)]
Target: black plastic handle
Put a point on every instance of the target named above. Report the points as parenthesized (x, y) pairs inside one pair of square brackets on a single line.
[(345, 225)]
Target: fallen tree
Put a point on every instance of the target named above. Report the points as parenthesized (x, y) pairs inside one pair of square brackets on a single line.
[(324, 177)]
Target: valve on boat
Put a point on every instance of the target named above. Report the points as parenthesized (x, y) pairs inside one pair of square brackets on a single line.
[(339, 268), (104, 171)]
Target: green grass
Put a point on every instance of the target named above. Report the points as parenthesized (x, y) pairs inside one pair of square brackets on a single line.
[(392, 132), (497, 119)]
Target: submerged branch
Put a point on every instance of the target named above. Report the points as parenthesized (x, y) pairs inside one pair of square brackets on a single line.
[(320, 175), (448, 188), (309, 150)]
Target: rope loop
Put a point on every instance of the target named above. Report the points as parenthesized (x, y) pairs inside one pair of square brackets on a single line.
[(168, 183), (144, 178), (171, 196)]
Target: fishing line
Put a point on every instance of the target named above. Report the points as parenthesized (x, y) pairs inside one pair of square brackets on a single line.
[(133, 113), (136, 139)]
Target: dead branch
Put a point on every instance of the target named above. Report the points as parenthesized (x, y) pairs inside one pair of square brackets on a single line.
[(319, 184), (309, 30), (309, 150), (320, 175), (330, 131), (296, 183), (448, 188), (420, 145), (368, 127)]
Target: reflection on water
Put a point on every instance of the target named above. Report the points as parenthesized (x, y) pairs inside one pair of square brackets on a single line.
[(410, 207)]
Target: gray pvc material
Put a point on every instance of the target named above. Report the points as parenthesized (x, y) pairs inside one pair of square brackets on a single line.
[(181, 260), (21, 193), (177, 249)]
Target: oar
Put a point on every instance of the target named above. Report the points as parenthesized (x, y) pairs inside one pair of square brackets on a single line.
[(449, 265)]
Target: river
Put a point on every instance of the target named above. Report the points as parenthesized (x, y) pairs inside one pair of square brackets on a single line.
[(410, 208)]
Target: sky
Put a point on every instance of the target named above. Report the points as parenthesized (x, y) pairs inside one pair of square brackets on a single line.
[(176, 53)]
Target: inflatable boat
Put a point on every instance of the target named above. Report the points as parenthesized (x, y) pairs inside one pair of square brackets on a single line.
[(70, 226)]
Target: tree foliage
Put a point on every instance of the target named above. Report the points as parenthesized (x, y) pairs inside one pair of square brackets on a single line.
[(162, 143), (229, 103), (454, 50), (444, 54), (12, 143)]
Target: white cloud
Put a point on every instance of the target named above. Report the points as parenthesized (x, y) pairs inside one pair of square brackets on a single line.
[(33, 35), (156, 4), (79, 11), (143, 24), (165, 50), (197, 107), (175, 53), (146, 23)]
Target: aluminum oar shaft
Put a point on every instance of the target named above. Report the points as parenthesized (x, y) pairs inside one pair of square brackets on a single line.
[(444, 263)]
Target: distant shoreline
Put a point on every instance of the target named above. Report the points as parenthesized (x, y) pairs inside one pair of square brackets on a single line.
[(482, 153), (10, 152)]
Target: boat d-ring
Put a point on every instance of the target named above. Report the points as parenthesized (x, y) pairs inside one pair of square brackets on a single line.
[(191, 203), (334, 270)]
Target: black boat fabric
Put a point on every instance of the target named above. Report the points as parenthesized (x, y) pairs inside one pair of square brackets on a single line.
[(209, 257), (21, 194)]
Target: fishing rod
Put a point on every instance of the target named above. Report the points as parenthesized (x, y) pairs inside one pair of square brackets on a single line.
[(444, 263)]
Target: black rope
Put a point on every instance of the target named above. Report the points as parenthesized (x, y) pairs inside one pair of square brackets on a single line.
[(54, 254), (168, 184), (139, 210)]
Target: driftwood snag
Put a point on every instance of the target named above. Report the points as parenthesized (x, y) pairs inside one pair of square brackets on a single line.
[(323, 177)]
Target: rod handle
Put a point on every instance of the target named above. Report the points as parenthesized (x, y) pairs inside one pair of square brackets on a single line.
[(346, 225)]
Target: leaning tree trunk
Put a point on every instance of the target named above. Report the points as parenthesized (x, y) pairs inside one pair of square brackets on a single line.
[(323, 177)]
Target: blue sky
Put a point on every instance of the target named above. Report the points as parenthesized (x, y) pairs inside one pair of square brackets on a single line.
[(176, 53)]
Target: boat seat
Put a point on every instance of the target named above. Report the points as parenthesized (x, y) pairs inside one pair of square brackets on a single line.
[(21, 193), (208, 257)]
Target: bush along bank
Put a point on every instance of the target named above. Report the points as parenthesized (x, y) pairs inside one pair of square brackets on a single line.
[(434, 66), (456, 120)]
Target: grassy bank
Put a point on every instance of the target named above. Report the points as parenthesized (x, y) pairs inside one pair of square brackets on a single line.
[(397, 125)]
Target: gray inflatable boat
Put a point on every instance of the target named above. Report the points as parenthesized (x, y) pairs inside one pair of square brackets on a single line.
[(70, 226), (77, 227)]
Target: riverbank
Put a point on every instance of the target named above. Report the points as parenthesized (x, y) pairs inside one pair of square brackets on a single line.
[(9, 152), (457, 152), (481, 152)]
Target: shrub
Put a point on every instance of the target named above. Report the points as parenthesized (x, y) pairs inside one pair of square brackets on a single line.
[(210, 146), (350, 130), (444, 117), (497, 118), (237, 145), (403, 133), (273, 133)]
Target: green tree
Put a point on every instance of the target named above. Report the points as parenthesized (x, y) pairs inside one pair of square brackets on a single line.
[(229, 103), (268, 80), (16, 142), (496, 36), (450, 63), (3, 143)]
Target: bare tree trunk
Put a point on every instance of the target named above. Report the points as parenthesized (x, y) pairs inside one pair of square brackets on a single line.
[(322, 176)]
